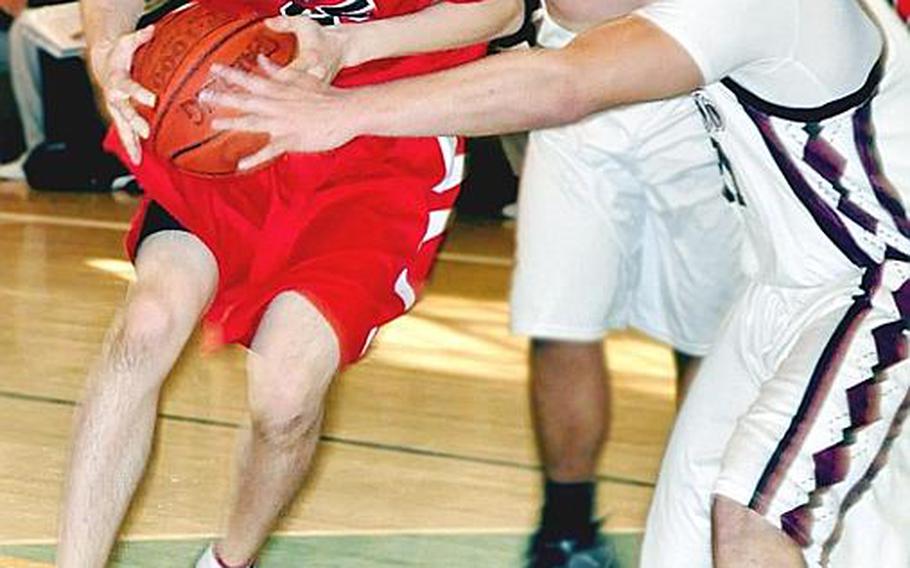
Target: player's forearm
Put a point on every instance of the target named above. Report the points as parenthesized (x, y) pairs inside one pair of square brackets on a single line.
[(106, 20), (441, 26), (502, 93), (619, 62)]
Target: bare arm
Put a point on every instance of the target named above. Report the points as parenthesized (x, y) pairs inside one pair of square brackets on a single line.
[(111, 42), (106, 21), (624, 61)]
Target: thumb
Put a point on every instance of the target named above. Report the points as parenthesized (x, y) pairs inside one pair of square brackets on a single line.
[(144, 35), (281, 24)]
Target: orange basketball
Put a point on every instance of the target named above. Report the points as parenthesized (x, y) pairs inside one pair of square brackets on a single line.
[(176, 65)]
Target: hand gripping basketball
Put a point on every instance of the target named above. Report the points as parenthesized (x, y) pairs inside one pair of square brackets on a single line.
[(111, 62), (321, 51), (175, 65)]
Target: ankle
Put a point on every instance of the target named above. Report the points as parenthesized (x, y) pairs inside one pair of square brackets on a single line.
[(568, 508)]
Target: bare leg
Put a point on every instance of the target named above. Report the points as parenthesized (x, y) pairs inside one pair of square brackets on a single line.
[(176, 275), (294, 357), (743, 539), (571, 399)]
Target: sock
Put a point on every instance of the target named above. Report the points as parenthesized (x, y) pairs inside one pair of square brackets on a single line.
[(210, 559), (568, 509)]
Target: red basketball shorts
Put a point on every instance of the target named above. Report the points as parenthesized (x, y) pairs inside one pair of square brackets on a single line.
[(354, 230)]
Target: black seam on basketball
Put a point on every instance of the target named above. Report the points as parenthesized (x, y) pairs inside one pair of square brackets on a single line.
[(190, 72), (158, 115), (193, 146)]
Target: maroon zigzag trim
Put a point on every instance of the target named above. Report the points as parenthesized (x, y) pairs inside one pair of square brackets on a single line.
[(832, 464), (863, 485), (817, 389)]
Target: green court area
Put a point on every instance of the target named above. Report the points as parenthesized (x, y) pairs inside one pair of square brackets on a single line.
[(444, 551)]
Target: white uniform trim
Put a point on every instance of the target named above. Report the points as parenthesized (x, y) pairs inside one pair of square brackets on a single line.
[(437, 224), (454, 164)]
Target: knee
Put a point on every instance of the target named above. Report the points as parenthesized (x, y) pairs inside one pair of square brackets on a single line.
[(146, 327), (742, 537), (287, 400), (733, 524), (148, 319), (728, 520), (283, 418)]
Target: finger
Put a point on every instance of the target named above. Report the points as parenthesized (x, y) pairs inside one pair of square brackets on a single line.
[(140, 94), (235, 101), (138, 124), (272, 150), (273, 71), (246, 81), (318, 71), (127, 88), (280, 24), (143, 36), (245, 123), (126, 135)]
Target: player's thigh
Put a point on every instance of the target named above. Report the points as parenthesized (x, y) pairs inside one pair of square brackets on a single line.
[(679, 523), (819, 428), (579, 221)]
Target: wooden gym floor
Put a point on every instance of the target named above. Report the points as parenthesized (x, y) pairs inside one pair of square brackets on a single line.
[(427, 457)]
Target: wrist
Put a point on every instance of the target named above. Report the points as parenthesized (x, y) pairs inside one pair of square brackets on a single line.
[(362, 119), (98, 53)]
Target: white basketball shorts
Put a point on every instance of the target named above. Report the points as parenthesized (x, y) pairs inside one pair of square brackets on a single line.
[(797, 415), (622, 222)]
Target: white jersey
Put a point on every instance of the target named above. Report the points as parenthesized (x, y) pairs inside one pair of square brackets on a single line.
[(789, 103), (795, 412)]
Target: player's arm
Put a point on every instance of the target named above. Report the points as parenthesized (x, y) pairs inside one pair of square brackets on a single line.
[(326, 50), (624, 61), (110, 44), (106, 21)]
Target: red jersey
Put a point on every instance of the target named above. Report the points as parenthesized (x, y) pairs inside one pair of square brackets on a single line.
[(333, 12), (353, 230)]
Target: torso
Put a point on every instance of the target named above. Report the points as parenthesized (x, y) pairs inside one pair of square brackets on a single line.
[(789, 103)]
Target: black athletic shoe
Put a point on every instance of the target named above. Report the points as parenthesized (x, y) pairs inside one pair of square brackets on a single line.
[(590, 551)]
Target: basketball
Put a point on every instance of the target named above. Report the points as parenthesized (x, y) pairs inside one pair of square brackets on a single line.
[(176, 65)]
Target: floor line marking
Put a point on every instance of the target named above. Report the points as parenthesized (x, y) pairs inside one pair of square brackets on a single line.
[(481, 259), (350, 442), (330, 533), (59, 221)]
